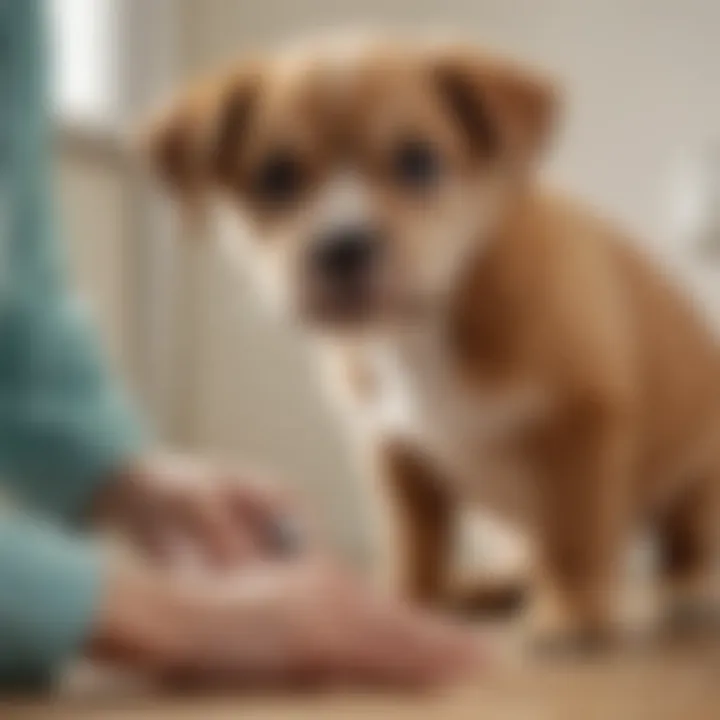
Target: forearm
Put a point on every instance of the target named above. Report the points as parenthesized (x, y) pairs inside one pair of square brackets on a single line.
[(64, 426), (60, 449)]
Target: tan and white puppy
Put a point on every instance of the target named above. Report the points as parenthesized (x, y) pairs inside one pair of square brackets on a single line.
[(501, 345)]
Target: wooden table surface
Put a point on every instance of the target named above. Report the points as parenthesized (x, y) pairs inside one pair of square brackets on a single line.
[(671, 681)]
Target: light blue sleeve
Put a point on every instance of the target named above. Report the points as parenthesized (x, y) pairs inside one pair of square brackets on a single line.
[(50, 585), (64, 425)]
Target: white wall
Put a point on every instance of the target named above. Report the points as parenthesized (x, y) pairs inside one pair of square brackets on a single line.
[(641, 79)]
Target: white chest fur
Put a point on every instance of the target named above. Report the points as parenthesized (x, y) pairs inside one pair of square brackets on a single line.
[(467, 430)]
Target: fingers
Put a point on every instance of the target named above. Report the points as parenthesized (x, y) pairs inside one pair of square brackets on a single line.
[(235, 521), (184, 508), (281, 527), (396, 645), (361, 639), (218, 537), (192, 532)]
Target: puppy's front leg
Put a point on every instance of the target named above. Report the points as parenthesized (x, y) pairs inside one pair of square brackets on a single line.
[(585, 461), (420, 523)]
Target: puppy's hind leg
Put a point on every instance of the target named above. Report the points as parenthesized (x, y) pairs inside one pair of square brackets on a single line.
[(585, 464)]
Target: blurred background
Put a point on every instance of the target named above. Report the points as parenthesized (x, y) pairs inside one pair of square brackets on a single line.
[(641, 139)]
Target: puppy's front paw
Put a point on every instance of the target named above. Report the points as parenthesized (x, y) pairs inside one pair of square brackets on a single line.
[(554, 627)]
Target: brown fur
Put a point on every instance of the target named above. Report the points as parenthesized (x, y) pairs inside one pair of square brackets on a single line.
[(548, 294)]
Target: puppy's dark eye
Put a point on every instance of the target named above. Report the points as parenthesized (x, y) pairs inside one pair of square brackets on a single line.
[(416, 164), (279, 178)]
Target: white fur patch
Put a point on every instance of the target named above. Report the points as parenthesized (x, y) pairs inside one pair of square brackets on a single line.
[(239, 250), (422, 397), (343, 201)]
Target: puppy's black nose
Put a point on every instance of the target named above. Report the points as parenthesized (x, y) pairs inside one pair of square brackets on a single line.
[(346, 253)]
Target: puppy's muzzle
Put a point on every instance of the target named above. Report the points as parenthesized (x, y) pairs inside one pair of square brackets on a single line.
[(345, 258), (343, 266)]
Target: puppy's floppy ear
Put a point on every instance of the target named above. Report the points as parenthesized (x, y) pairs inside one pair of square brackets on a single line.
[(173, 144), (232, 123), (504, 110), (196, 142)]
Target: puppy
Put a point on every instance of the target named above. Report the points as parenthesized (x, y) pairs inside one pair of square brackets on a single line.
[(499, 345)]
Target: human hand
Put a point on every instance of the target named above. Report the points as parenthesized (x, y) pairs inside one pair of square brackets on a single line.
[(182, 509), (278, 624)]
